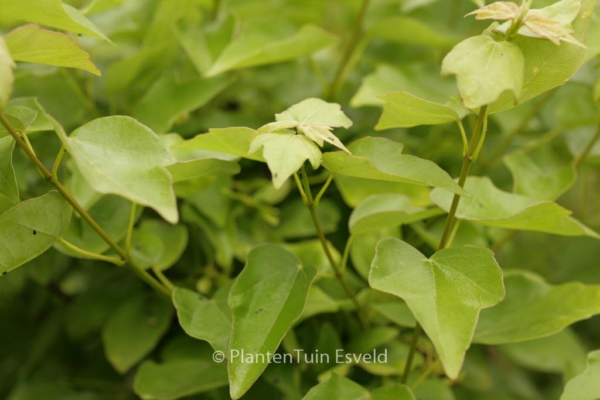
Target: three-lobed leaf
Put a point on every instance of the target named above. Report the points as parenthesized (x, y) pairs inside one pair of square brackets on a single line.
[(445, 292), (485, 69), (266, 299)]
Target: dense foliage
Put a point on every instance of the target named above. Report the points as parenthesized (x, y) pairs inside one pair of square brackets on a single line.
[(254, 199)]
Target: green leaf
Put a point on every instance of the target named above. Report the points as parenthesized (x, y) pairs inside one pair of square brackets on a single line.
[(141, 69), (261, 44), (19, 117), (218, 143), (6, 74), (491, 206), (41, 121), (314, 118), (185, 369), (421, 80), (363, 249), (173, 240), (8, 180), (393, 392), (546, 64), (445, 292), (541, 177), (356, 190), (317, 302), (567, 355), (547, 308), (121, 156), (31, 43), (410, 31), (204, 319), (52, 13), (266, 299), (478, 58), (168, 99), (30, 228), (134, 330), (382, 159), (285, 153), (383, 211), (338, 387), (403, 110), (193, 169), (586, 385)]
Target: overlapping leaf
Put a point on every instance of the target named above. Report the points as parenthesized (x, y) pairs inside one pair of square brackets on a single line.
[(403, 110), (546, 308), (491, 206), (225, 143), (168, 99), (268, 43), (382, 159), (383, 211)]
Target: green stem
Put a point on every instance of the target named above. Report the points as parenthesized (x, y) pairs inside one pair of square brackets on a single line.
[(469, 158), (423, 376), (57, 162), (146, 277), (346, 253), (130, 229), (325, 244), (411, 354), (89, 254), (323, 189), (339, 74), (161, 277)]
